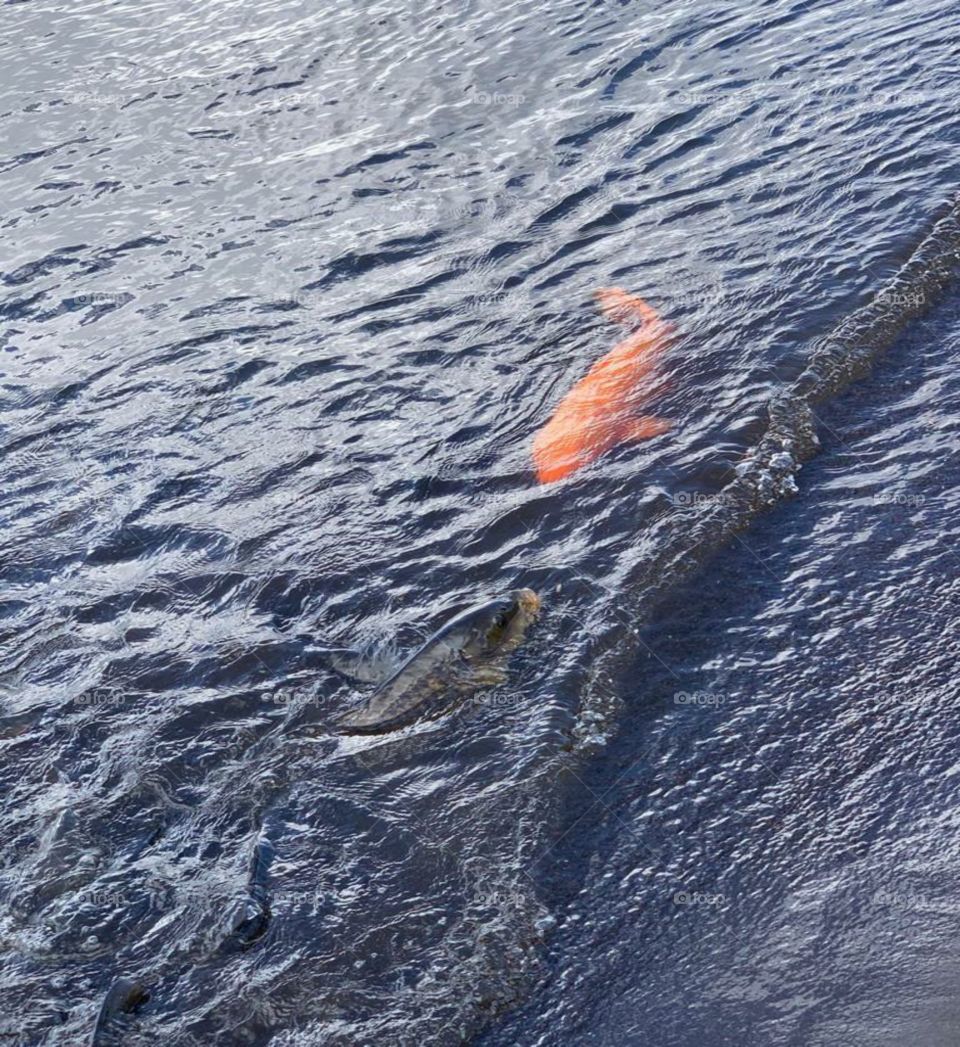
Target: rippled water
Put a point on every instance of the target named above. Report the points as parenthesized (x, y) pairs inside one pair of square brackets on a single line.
[(285, 295)]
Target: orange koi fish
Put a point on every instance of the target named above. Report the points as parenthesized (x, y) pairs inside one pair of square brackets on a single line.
[(601, 410)]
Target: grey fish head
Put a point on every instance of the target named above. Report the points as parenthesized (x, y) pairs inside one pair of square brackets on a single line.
[(456, 658), (500, 625)]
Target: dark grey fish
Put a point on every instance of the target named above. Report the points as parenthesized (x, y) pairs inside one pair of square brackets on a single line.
[(252, 917), (468, 653), (123, 998)]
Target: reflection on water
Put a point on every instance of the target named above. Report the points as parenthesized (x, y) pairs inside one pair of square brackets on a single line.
[(286, 295)]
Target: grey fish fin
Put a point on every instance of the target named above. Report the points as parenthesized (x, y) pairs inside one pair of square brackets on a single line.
[(356, 666), (489, 676), (123, 998)]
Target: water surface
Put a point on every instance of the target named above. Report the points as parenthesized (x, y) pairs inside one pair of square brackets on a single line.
[(285, 294)]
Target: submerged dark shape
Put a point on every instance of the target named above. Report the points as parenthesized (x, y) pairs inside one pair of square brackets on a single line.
[(465, 655), (123, 998), (253, 918)]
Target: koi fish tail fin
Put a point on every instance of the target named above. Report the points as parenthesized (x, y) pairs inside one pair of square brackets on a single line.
[(645, 428), (625, 308)]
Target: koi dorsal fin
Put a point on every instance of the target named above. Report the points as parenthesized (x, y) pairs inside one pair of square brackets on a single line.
[(621, 307)]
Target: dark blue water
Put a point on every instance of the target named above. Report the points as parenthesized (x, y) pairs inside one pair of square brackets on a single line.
[(286, 293), (764, 855)]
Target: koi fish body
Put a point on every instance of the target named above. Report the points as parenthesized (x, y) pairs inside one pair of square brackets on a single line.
[(602, 409)]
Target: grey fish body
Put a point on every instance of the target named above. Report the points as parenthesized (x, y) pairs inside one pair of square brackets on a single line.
[(123, 998), (252, 917), (466, 654)]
